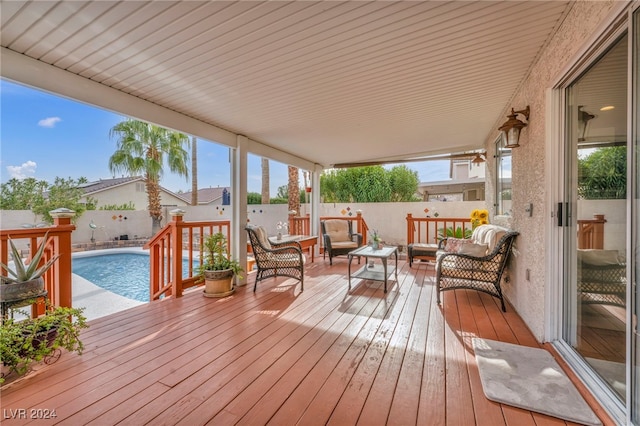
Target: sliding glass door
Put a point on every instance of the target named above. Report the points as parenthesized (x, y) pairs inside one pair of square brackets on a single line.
[(596, 291)]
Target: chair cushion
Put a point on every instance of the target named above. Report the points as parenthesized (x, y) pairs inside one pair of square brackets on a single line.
[(453, 244), (599, 257), (263, 237), (473, 249), (344, 245), (488, 234), (337, 230), (423, 249)]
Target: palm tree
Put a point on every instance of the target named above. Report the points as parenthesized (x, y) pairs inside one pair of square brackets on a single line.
[(294, 189), (265, 181), (143, 149)]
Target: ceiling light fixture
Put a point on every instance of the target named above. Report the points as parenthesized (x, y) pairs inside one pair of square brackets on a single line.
[(510, 130)]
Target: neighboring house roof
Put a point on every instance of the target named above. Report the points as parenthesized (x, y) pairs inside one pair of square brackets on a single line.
[(103, 184), (205, 195), (94, 187)]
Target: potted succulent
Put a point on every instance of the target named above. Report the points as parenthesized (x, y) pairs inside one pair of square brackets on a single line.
[(218, 269), (23, 342), (24, 280)]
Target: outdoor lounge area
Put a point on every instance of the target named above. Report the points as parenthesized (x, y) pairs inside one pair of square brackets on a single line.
[(535, 101), (279, 356)]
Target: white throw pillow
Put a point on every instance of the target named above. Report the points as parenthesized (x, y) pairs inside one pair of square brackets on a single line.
[(475, 250)]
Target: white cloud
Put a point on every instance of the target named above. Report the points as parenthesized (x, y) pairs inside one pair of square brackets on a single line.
[(24, 171), (49, 122)]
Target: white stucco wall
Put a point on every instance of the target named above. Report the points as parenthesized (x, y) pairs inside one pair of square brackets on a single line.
[(388, 218), (528, 163)]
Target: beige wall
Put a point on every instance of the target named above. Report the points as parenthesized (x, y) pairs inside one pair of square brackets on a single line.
[(528, 163)]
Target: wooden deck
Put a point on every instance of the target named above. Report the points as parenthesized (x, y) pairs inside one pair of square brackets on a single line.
[(282, 357)]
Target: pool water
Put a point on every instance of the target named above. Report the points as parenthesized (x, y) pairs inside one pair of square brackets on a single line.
[(126, 274)]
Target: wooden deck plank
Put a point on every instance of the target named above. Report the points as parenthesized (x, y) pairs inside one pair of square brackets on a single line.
[(279, 356), (472, 319), (355, 395), (258, 403), (432, 407), (330, 393), (297, 402), (406, 398), (245, 360), (459, 410), (378, 403)]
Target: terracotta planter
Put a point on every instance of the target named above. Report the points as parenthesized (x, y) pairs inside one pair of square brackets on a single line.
[(218, 283), (21, 290)]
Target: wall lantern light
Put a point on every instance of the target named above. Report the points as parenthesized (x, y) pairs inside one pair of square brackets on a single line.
[(478, 158), (583, 123), (510, 130)]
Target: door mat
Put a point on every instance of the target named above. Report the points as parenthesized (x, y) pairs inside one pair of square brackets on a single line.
[(531, 379)]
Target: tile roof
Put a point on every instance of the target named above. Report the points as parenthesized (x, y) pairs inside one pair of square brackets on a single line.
[(102, 184), (205, 195)]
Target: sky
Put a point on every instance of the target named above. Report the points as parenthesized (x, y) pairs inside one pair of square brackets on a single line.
[(46, 136)]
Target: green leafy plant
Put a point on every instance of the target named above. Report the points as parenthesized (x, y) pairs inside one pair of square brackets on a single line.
[(454, 233), (125, 206), (216, 257), (375, 237), (27, 272), (23, 342)]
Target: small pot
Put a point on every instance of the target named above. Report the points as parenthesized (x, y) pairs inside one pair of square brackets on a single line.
[(21, 290), (218, 283)]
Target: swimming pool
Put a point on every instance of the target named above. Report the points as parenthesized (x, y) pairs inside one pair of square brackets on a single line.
[(123, 273)]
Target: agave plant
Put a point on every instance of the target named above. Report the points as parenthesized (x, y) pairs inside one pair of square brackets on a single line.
[(26, 272)]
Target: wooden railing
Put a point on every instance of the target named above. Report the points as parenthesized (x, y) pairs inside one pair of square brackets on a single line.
[(431, 230), (591, 232), (177, 241), (58, 278), (301, 225)]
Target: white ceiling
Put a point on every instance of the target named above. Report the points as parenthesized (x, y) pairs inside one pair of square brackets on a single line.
[(330, 82)]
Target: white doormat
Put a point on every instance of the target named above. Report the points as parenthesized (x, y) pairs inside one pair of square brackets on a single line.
[(531, 379)]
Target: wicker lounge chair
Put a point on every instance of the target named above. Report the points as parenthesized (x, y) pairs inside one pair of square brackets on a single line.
[(338, 238), (273, 260), (602, 277), (476, 263)]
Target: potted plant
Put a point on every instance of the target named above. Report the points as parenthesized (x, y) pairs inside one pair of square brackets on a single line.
[(23, 342), (24, 280), (376, 241), (218, 269)]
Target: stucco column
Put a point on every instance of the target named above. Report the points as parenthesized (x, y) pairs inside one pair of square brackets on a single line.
[(239, 204)]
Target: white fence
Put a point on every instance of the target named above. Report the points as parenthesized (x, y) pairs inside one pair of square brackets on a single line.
[(387, 218)]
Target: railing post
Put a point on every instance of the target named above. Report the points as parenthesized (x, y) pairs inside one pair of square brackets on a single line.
[(591, 232), (176, 252), (598, 231), (360, 226), (293, 228), (62, 282), (410, 228)]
